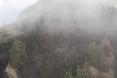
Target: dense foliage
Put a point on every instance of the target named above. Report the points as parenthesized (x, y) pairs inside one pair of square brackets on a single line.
[(81, 72), (17, 54)]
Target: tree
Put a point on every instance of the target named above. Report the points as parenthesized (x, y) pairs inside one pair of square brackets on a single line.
[(17, 54), (82, 72), (94, 54), (68, 73)]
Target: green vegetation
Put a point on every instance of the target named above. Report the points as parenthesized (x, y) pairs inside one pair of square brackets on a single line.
[(68, 74), (17, 54), (82, 72), (94, 54)]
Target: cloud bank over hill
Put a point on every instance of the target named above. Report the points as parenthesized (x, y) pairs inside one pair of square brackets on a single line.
[(89, 15)]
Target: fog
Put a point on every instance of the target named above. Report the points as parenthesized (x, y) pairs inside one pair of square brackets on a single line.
[(10, 9), (57, 33), (87, 15)]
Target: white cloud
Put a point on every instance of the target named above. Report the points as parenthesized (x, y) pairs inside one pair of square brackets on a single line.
[(10, 9), (1, 3)]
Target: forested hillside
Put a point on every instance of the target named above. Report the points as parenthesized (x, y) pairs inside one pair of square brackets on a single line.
[(51, 42)]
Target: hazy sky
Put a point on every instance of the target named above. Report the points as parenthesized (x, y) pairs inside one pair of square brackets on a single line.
[(10, 9)]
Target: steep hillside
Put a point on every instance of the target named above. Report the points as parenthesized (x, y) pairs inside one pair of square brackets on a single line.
[(53, 41)]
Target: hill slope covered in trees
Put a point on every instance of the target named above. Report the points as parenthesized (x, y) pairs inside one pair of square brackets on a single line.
[(53, 41)]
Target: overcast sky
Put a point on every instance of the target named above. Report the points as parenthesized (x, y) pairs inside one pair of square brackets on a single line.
[(10, 9)]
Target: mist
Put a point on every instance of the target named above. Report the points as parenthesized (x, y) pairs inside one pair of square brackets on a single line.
[(57, 34), (87, 15), (10, 9)]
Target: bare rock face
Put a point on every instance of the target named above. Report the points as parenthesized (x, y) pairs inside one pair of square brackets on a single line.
[(7, 75), (10, 72)]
